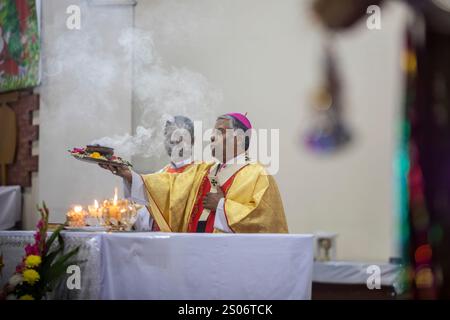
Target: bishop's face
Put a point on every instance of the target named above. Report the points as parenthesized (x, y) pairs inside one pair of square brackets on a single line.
[(223, 140)]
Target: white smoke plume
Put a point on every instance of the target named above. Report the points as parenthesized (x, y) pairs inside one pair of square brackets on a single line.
[(159, 92)]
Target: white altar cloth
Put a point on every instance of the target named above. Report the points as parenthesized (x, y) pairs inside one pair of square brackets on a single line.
[(352, 272), (156, 265), (206, 266)]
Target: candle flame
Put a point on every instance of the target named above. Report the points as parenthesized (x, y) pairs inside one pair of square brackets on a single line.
[(115, 197), (78, 209), (95, 204)]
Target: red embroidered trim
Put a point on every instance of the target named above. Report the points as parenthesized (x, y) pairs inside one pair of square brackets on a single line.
[(197, 210)]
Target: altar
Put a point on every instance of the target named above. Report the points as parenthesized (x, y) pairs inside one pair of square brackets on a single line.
[(154, 265)]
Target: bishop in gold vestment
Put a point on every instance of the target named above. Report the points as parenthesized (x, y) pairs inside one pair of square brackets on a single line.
[(233, 195)]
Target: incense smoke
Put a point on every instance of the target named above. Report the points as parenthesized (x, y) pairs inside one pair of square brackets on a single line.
[(159, 92)]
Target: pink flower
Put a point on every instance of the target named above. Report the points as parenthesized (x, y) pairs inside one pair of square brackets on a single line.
[(37, 237), (78, 150), (32, 249), (40, 224), (20, 267)]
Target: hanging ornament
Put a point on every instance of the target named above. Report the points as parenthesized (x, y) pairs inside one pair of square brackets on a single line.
[(328, 132)]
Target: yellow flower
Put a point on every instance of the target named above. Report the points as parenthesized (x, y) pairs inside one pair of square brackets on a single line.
[(96, 155), (31, 276), (33, 261), (26, 297)]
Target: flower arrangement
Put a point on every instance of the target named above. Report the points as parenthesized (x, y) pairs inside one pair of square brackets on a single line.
[(43, 264)]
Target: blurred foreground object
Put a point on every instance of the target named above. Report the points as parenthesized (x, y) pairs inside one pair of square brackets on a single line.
[(424, 156), (328, 132)]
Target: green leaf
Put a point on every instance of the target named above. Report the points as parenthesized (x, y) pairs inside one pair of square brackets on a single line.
[(48, 260), (60, 266), (53, 237), (64, 258), (60, 240)]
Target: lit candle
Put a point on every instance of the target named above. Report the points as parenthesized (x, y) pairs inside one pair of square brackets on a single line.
[(95, 215), (114, 208), (75, 216), (115, 197), (94, 210)]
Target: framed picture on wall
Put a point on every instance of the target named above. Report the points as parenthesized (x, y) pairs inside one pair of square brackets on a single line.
[(19, 44)]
